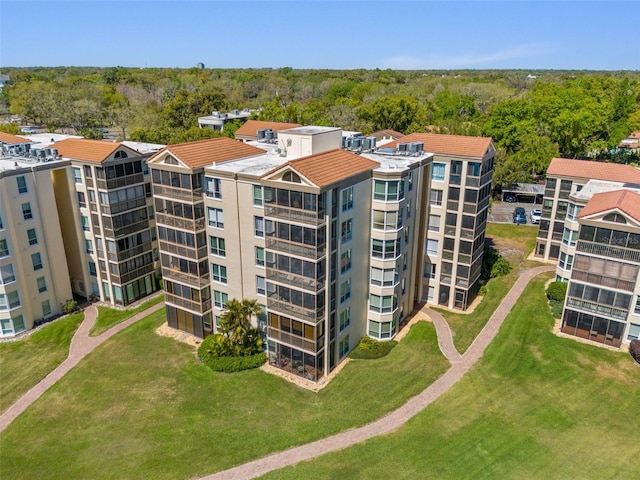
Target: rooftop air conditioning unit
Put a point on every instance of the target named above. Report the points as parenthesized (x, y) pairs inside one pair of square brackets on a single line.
[(261, 134)]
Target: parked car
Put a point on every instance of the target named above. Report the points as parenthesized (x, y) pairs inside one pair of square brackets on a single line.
[(535, 215), (519, 215), (510, 198), (29, 130)]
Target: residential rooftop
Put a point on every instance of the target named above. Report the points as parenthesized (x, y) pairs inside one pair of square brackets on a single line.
[(615, 172), (459, 145), (251, 127), (626, 201)]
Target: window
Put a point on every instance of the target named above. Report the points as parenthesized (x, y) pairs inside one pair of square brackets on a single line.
[(391, 220), (36, 261), (345, 291), (31, 235), (1, 223), (4, 248), (217, 247), (88, 246), (346, 230), (345, 318), (7, 275), (216, 217), (92, 269), (219, 273), (636, 310), (408, 208), (384, 277), (344, 346), (85, 223), (410, 181), (634, 332), (437, 172), (435, 198), (569, 237), (27, 214), (565, 261), (213, 187), (345, 261), (430, 270), (82, 201), (77, 174), (220, 299), (22, 185), (259, 257), (42, 285), (9, 300), (388, 191), (261, 285), (257, 195), (46, 308), (386, 249), (347, 199), (258, 223), (384, 304), (432, 247), (434, 223)]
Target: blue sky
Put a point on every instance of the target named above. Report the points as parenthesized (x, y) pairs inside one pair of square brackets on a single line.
[(330, 34)]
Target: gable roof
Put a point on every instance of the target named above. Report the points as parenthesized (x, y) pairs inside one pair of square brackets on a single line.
[(251, 127), (624, 200), (461, 145), (612, 172), (88, 150), (329, 167), (10, 139), (210, 151), (380, 134)]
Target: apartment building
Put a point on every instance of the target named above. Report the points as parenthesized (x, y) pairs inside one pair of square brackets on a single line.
[(34, 281), (455, 221), (592, 227), (108, 226), (332, 243), (259, 130)]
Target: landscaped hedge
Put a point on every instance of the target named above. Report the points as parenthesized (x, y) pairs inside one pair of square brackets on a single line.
[(233, 364), (369, 349), (557, 291)]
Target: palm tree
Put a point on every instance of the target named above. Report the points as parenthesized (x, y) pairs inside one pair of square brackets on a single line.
[(236, 326)]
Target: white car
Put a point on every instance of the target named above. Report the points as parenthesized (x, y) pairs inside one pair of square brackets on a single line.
[(29, 130), (535, 215)]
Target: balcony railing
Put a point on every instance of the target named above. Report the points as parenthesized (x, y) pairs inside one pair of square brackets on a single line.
[(179, 222), (188, 252), (129, 276), (174, 193), (293, 340), (120, 182), (617, 313), (276, 305), (132, 252), (294, 215), (187, 278), (124, 206), (609, 251), (295, 280), (602, 280), (199, 307), (295, 248)]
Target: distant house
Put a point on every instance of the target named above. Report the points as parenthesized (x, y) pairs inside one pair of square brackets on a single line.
[(4, 79), (217, 120), (632, 142), (386, 136)]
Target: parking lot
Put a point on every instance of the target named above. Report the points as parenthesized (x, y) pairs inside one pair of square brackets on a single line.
[(502, 212)]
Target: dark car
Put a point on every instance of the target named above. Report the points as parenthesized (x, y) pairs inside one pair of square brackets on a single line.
[(519, 215)]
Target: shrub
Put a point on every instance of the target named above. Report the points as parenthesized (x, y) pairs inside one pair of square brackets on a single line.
[(557, 291), (233, 364), (69, 306), (369, 349), (634, 350), (500, 268), (493, 264), (556, 308)]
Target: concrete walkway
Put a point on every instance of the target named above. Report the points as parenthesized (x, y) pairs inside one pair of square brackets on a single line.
[(460, 364), (81, 345)]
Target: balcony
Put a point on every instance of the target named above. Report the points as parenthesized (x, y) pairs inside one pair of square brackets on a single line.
[(194, 306), (124, 206), (179, 222), (609, 251), (593, 307), (293, 248), (294, 340), (132, 252), (129, 276), (190, 196), (603, 281), (299, 281), (288, 309), (187, 278), (120, 182), (187, 252), (294, 215)]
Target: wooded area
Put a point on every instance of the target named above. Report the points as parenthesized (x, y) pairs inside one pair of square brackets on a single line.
[(531, 116)]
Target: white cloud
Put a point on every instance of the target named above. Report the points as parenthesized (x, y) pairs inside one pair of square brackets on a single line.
[(469, 59)]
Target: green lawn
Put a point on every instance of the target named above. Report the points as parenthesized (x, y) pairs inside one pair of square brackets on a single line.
[(536, 406), (25, 362), (140, 407), (517, 241), (108, 317)]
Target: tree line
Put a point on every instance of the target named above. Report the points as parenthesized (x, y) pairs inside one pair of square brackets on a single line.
[(531, 116)]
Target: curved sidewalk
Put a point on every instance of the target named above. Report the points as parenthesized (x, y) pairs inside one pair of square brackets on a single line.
[(81, 345), (397, 418)]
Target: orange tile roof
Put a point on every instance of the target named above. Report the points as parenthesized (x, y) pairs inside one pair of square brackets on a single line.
[(329, 167), (624, 200), (210, 151), (87, 150), (251, 127), (612, 172), (448, 144), (380, 134), (10, 139)]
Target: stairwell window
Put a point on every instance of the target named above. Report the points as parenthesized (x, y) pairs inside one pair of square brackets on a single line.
[(22, 185), (4, 248), (27, 213), (36, 261), (42, 285), (258, 223), (31, 235)]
